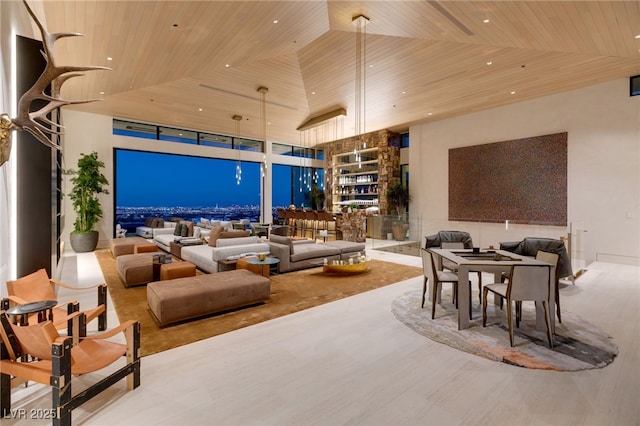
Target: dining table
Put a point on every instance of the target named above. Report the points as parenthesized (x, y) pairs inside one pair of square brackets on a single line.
[(496, 262)]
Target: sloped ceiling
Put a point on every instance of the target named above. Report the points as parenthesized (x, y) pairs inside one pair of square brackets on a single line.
[(426, 60)]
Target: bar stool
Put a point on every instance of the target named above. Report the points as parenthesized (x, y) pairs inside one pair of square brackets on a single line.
[(300, 217), (282, 216), (311, 222), (290, 220), (326, 219)]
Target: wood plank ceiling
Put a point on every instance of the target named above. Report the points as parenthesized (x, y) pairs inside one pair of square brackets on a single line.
[(425, 60)]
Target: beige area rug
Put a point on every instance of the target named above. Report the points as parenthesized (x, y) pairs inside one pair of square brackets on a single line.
[(578, 345), (290, 292)]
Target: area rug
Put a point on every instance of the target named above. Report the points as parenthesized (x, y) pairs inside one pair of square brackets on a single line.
[(411, 249), (578, 345), (290, 292)]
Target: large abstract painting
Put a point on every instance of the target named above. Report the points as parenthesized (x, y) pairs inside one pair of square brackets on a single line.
[(522, 181)]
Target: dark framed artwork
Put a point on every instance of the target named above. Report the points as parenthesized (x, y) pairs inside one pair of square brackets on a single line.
[(522, 181)]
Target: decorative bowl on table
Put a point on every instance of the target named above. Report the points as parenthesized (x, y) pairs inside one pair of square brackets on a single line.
[(344, 268)]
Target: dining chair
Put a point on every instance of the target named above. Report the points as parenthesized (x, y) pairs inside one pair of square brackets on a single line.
[(436, 278), (454, 268), (38, 353), (526, 283), (552, 259)]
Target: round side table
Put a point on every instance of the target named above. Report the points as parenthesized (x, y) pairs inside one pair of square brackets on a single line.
[(268, 261)]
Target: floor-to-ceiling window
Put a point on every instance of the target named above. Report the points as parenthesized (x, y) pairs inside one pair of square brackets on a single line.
[(170, 185)]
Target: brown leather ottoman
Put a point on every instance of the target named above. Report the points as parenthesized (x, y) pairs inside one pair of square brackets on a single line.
[(121, 246), (145, 247), (135, 269), (186, 298), (169, 271)]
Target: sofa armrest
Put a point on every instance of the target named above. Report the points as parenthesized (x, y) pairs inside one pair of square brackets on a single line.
[(282, 252)]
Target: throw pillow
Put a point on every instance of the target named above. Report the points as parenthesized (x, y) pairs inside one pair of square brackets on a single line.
[(189, 226), (214, 235), (184, 230), (235, 234), (177, 230)]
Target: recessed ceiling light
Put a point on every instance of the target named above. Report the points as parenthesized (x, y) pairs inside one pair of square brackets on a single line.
[(227, 65), (404, 92), (200, 109), (313, 93), (430, 113), (513, 92), (275, 21), (486, 21), (638, 36), (269, 123), (109, 58), (371, 66), (102, 93), (489, 62)]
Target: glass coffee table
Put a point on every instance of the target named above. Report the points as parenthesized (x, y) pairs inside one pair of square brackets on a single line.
[(267, 261)]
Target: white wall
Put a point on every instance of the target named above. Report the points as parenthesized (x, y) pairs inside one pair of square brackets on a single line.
[(603, 125)]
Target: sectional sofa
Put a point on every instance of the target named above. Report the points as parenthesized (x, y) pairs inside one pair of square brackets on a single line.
[(302, 254), (206, 257), (153, 225)]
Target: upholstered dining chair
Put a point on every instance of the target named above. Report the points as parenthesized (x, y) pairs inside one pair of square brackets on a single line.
[(436, 278), (552, 259), (447, 264), (38, 353), (526, 283), (37, 287)]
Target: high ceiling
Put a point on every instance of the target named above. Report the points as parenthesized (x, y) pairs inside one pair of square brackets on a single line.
[(425, 60)]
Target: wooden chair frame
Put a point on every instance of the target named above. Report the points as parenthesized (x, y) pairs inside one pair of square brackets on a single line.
[(56, 370), (38, 286)]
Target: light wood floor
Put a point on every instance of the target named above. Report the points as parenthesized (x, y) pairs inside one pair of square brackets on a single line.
[(352, 362)]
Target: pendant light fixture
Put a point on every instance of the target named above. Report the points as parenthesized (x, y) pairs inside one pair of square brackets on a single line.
[(237, 119), (263, 120), (361, 22), (263, 166)]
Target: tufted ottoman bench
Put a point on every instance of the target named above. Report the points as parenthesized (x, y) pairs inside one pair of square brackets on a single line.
[(185, 298)]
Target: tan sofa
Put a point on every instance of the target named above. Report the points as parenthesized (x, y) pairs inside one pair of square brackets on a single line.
[(181, 299)]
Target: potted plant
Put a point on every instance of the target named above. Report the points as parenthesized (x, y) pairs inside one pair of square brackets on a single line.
[(88, 181), (315, 197), (399, 198)]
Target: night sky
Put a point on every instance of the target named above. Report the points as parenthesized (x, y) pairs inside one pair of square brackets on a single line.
[(153, 179)]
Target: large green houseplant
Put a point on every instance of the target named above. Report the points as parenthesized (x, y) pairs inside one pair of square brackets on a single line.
[(399, 198), (88, 182)]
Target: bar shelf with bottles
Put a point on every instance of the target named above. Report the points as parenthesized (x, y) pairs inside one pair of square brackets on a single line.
[(355, 178)]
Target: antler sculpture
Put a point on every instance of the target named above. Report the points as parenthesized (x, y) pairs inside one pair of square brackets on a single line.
[(37, 122)]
